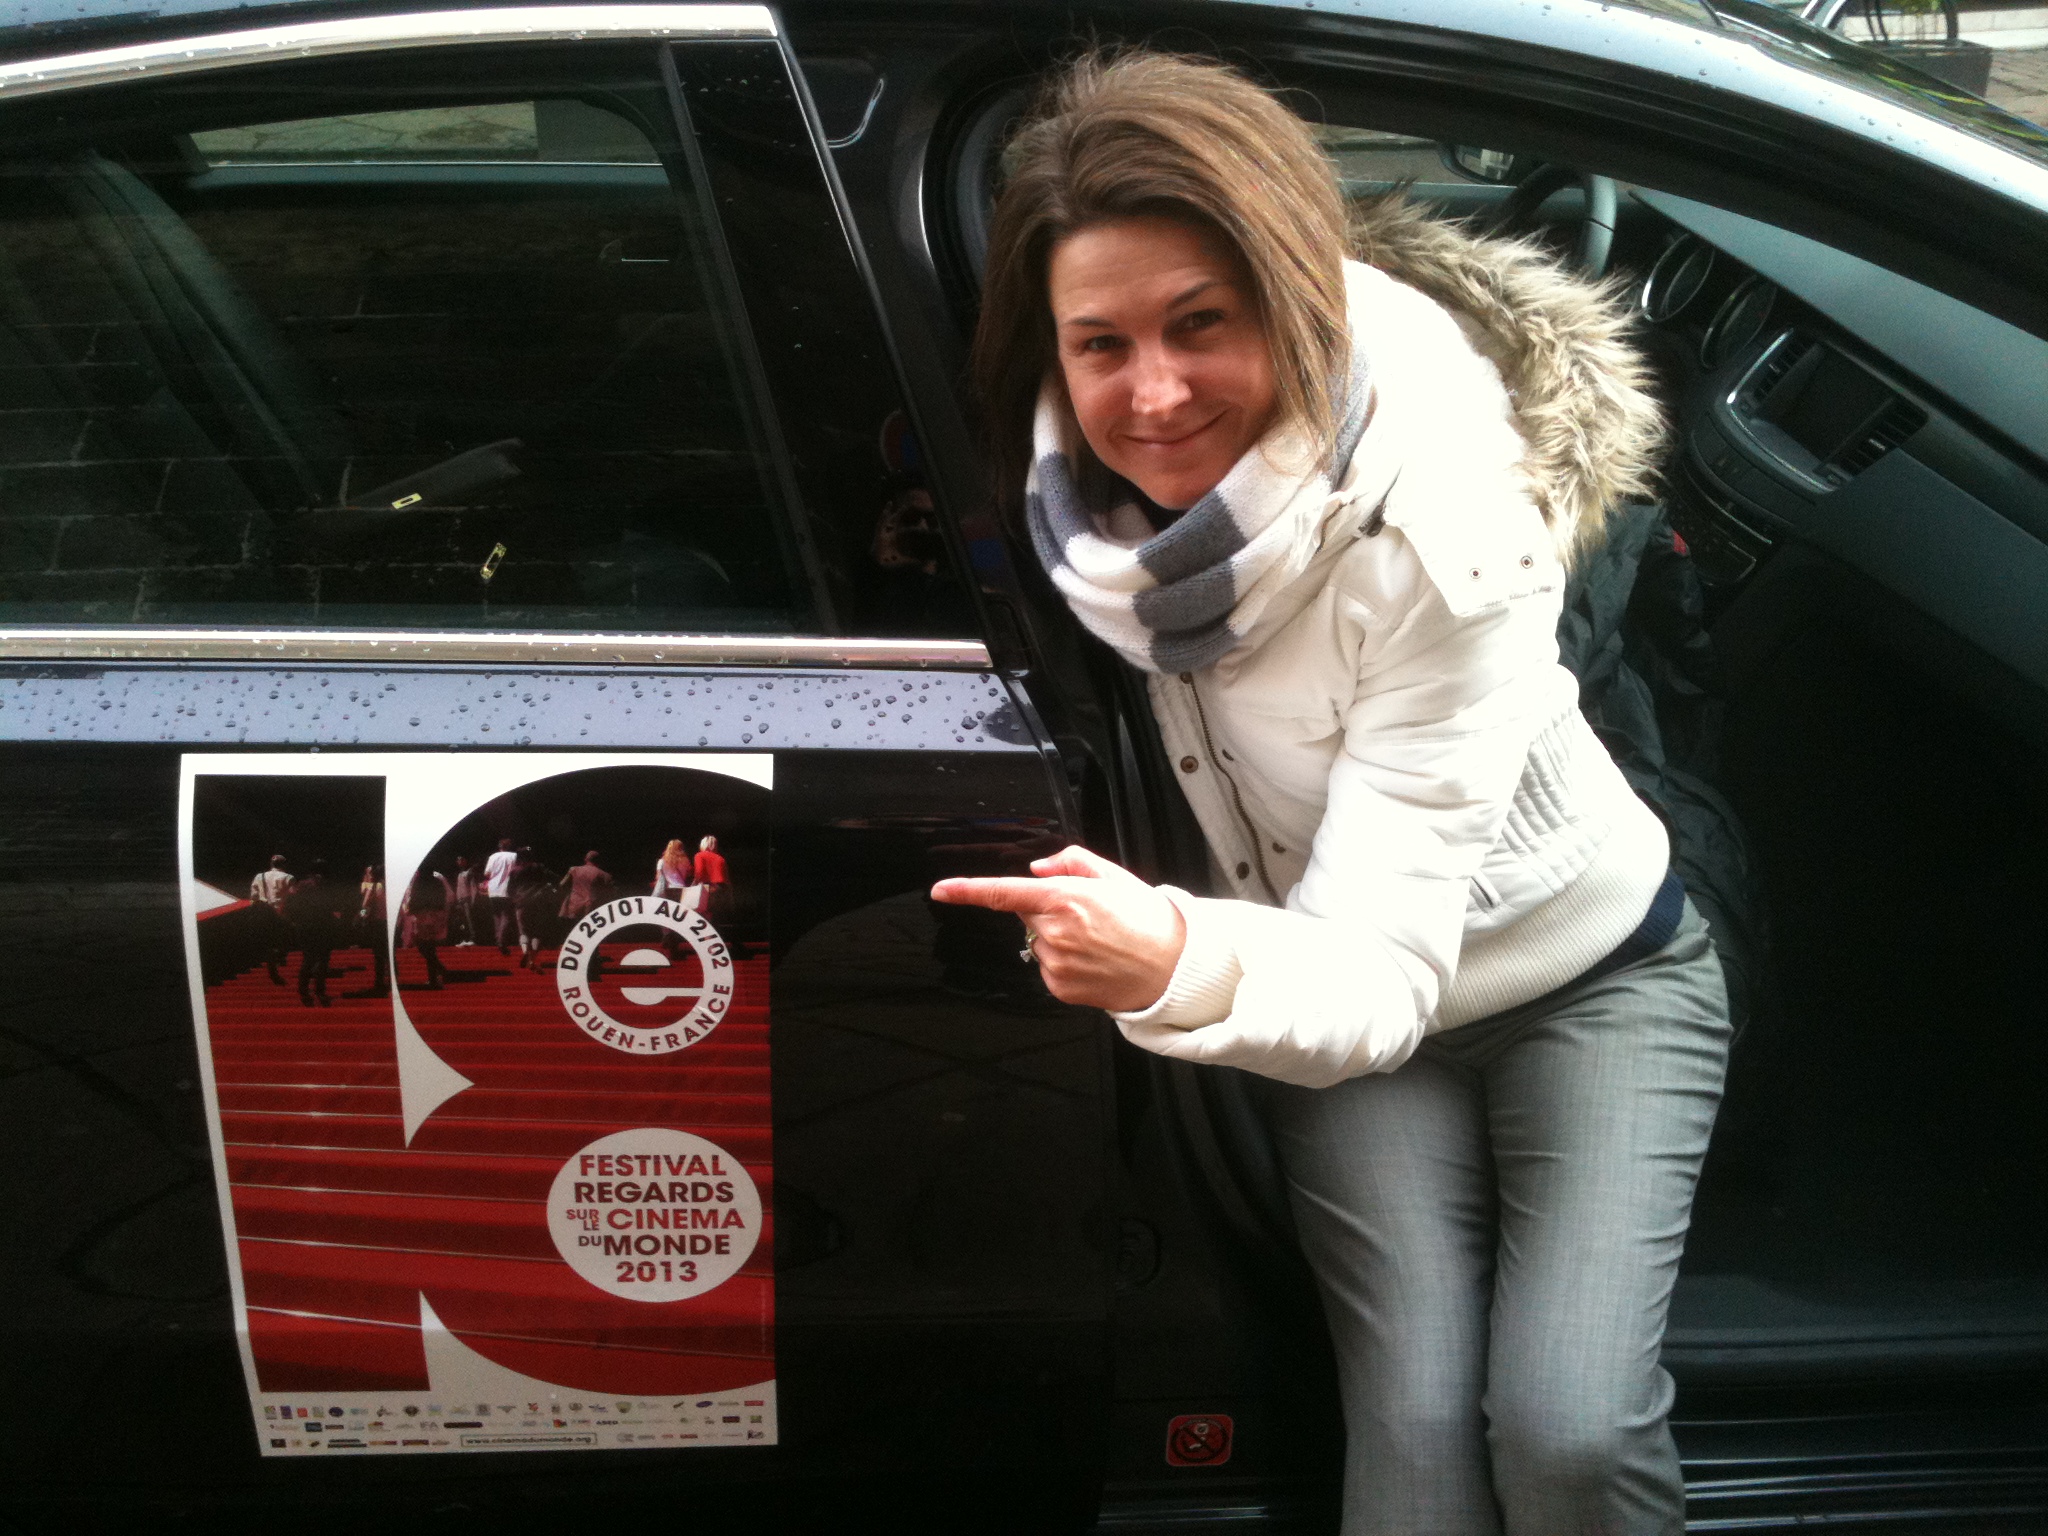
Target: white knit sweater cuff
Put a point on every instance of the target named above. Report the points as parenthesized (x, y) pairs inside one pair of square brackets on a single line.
[(1204, 985)]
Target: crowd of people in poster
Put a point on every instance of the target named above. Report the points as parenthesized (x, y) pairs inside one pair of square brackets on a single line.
[(510, 898)]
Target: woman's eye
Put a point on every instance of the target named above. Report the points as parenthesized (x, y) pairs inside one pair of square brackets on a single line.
[(1202, 319), (1101, 344)]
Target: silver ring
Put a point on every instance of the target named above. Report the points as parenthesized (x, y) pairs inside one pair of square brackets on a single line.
[(1028, 954)]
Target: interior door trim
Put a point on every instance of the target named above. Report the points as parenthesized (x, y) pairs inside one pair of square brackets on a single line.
[(366, 34), (403, 646)]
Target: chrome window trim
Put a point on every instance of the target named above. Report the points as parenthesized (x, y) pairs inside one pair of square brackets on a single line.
[(400, 647), (367, 34)]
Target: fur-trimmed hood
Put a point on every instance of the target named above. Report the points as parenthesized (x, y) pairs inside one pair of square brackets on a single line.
[(1580, 389)]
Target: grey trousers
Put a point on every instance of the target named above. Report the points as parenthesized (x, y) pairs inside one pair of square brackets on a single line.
[(1495, 1227)]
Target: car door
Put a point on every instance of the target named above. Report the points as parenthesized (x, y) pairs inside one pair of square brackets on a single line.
[(1861, 1291), (484, 689)]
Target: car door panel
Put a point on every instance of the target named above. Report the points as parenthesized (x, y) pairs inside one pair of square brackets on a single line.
[(941, 1249), (936, 1247)]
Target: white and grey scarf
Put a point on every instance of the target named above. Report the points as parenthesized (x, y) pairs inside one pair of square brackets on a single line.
[(1176, 599)]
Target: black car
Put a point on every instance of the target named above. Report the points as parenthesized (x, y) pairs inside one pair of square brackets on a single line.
[(469, 462)]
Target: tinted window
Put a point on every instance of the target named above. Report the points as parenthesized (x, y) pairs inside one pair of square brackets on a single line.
[(415, 341), (561, 130)]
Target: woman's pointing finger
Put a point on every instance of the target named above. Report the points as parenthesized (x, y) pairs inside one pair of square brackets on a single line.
[(1078, 861), (1008, 893)]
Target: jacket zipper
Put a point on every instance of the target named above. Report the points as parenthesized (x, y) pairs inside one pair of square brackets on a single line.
[(1237, 798)]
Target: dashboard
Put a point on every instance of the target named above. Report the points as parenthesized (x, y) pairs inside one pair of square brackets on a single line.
[(1821, 398)]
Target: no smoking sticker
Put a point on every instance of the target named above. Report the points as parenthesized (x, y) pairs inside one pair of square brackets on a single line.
[(654, 1214), (1199, 1440)]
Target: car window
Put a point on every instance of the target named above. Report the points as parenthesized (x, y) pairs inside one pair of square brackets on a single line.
[(558, 130), (1374, 157), (467, 361)]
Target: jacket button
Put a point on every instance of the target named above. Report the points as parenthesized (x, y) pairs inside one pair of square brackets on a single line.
[(1189, 764), (1527, 561), (1243, 870), (1278, 849), (1475, 573)]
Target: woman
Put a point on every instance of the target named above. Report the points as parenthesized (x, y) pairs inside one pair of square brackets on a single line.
[(672, 872), (708, 869), (714, 898), (373, 924), (1327, 506), (462, 916), (424, 916)]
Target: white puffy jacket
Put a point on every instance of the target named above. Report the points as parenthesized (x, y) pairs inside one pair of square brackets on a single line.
[(1418, 826)]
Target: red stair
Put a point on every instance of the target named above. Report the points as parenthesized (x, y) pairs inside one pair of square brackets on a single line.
[(342, 1226)]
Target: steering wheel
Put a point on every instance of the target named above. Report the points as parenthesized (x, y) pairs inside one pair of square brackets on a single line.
[(1596, 236)]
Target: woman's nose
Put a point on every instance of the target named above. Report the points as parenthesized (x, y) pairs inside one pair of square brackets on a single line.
[(1158, 385)]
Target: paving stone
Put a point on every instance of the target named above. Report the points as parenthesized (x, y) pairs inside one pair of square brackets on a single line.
[(79, 490), (28, 543), (2019, 83), (39, 436), (143, 543)]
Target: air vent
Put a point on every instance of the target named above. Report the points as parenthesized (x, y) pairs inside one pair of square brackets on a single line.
[(1893, 425), (1778, 361)]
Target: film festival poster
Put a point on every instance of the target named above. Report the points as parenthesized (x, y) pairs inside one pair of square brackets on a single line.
[(484, 1040)]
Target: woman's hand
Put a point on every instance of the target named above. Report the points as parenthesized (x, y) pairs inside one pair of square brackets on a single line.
[(1103, 937)]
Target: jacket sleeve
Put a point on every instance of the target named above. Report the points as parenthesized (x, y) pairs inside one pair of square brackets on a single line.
[(1344, 979)]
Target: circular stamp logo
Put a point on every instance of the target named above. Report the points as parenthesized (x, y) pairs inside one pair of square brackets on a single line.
[(645, 976), (654, 1214)]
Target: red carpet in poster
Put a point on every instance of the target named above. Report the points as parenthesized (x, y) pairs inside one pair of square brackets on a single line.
[(342, 1226)]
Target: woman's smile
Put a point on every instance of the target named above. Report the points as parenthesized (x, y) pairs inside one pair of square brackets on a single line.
[(1173, 439), (1164, 450), (1162, 351)]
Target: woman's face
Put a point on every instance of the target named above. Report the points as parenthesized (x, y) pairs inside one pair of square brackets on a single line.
[(1163, 350)]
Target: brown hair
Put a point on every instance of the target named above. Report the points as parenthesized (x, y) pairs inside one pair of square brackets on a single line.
[(1118, 135)]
